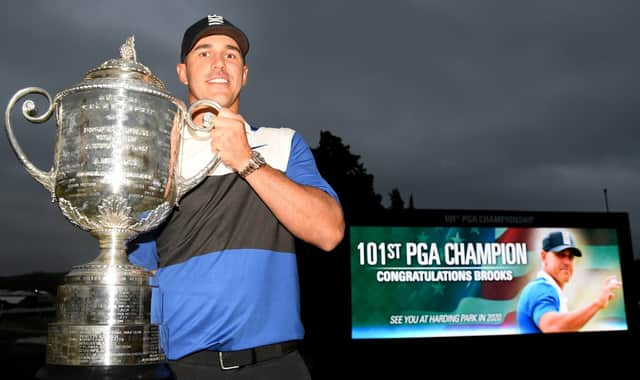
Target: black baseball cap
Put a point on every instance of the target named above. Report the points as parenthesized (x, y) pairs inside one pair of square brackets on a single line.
[(558, 241), (212, 24)]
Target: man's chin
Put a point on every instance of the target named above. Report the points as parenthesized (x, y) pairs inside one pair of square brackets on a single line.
[(565, 277), (221, 101), (223, 97)]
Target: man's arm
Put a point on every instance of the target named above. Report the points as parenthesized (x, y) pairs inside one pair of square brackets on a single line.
[(575, 320), (555, 321), (308, 213)]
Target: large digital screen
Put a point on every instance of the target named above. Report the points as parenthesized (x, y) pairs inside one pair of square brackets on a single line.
[(451, 274)]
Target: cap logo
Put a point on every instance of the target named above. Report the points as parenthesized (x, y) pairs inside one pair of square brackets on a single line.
[(215, 20), (566, 239)]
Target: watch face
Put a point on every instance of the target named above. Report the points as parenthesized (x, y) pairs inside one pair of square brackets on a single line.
[(259, 160), (256, 162)]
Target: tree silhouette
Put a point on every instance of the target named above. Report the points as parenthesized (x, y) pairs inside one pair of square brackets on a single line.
[(347, 176), (324, 277), (397, 203)]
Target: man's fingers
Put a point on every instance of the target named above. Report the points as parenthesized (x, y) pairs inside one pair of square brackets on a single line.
[(226, 113), (614, 283)]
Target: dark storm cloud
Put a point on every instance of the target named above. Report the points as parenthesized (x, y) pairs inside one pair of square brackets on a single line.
[(462, 104)]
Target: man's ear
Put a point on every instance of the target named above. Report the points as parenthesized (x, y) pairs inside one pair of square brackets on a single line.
[(245, 75), (181, 69)]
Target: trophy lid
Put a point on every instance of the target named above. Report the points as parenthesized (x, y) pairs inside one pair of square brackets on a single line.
[(126, 67)]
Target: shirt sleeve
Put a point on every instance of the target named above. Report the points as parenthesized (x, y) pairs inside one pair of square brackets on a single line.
[(547, 300), (142, 251), (302, 167)]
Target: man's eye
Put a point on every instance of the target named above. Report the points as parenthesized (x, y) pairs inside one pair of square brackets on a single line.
[(231, 56), (203, 54)]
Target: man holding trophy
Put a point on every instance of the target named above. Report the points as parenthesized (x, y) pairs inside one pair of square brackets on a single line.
[(225, 265)]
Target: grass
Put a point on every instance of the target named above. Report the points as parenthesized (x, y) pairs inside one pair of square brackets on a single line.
[(21, 361), (13, 327)]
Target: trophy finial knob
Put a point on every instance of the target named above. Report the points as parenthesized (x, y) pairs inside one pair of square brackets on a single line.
[(126, 68), (128, 50)]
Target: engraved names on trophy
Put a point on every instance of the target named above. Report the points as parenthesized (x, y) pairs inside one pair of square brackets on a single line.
[(114, 147), (81, 345), (103, 304)]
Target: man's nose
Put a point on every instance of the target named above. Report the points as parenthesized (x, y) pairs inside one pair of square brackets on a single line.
[(218, 63)]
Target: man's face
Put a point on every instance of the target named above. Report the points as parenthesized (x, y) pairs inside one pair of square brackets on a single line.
[(214, 69), (559, 265)]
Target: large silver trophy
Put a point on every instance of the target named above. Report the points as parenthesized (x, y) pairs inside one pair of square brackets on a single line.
[(116, 175)]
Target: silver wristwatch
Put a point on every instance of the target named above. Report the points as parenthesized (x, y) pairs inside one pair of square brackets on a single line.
[(255, 162)]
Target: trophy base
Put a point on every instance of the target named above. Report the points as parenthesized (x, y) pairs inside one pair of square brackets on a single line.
[(160, 371)]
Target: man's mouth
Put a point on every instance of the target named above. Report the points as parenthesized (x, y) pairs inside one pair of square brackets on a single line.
[(218, 81)]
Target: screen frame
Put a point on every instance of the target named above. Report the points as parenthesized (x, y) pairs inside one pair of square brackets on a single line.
[(500, 218)]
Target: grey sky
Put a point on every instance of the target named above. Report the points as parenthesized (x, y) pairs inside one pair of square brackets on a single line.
[(517, 105)]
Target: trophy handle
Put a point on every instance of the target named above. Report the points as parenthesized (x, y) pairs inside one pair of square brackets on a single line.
[(183, 185), (29, 111)]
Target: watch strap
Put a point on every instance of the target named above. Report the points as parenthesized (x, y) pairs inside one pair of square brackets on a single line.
[(255, 162)]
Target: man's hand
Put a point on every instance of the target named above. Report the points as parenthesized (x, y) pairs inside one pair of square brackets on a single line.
[(229, 139), (607, 291)]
